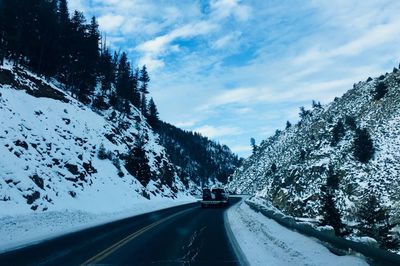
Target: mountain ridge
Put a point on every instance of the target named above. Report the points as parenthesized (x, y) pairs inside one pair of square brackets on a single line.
[(291, 168)]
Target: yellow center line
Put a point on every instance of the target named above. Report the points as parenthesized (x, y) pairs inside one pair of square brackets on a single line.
[(108, 251)]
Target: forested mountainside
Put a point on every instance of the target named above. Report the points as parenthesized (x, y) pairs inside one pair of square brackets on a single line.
[(77, 123), (205, 161), (340, 163)]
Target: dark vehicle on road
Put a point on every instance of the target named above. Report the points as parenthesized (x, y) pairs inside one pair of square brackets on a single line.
[(215, 197)]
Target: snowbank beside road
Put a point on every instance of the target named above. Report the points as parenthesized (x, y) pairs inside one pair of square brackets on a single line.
[(22, 230), (265, 242)]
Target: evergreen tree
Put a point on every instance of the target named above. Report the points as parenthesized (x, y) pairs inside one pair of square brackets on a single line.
[(82, 61), (273, 167), (63, 14), (144, 79), (330, 213), (304, 113), (134, 90), (332, 180), (64, 39), (363, 148), (2, 36), (152, 117), (106, 71), (253, 145), (302, 155), (143, 105), (374, 220), (93, 49), (288, 124), (123, 77), (380, 91), (338, 133), (167, 174), (316, 104), (351, 122), (137, 164)]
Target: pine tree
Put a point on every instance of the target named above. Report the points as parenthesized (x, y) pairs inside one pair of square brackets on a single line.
[(374, 220), (351, 122), (83, 57), (332, 180), (302, 155), (330, 213), (168, 175), (338, 133), (63, 13), (93, 49), (106, 71), (316, 104), (144, 79), (64, 39), (123, 77), (134, 90), (152, 117), (363, 148), (137, 164), (304, 113), (273, 167), (2, 37), (380, 90), (253, 145), (288, 124)]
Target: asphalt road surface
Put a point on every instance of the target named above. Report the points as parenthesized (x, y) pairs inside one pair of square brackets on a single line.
[(183, 235)]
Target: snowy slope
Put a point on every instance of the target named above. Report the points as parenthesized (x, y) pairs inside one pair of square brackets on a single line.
[(49, 147), (265, 242), (290, 167)]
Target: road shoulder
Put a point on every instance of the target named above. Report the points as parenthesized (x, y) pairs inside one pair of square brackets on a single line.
[(265, 242)]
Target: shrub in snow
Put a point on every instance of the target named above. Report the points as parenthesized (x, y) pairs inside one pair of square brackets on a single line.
[(102, 154), (137, 164), (338, 133), (117, 165), (380, 90), (350, 122)]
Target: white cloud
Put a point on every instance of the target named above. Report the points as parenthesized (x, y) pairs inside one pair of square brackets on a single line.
[(250, 64), (110, 22), (218, 131), (77, 5), (161, 45), (225, 8), (226, 40)]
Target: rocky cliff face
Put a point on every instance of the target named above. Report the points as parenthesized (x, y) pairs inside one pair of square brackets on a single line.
[(290, 167)]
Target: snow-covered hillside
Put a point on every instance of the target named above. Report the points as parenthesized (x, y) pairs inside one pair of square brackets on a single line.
[(205, 161), (49, 145), (290, 167)]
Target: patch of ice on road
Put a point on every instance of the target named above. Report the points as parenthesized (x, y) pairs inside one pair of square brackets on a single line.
[(22, 230), (265, 242)]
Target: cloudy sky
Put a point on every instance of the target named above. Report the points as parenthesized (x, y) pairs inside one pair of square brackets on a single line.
[(234, 69)]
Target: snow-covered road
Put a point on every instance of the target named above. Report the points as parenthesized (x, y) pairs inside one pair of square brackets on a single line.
[(265, 242)]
